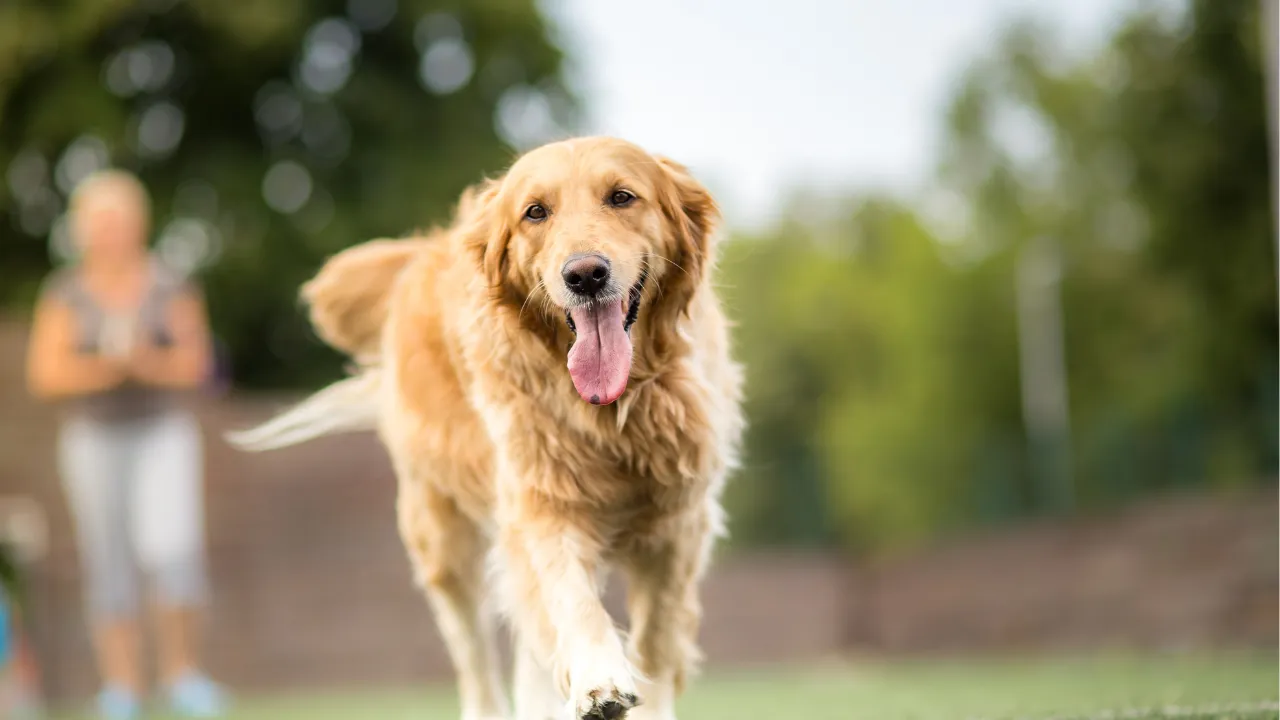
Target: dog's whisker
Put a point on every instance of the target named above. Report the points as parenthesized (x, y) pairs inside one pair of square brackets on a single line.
[(548, 309), (540, 286), (657, 256), (675, 264)]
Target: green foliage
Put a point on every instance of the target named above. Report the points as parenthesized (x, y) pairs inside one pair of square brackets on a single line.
[(846, 329), (1157, 186), (883, 359), (384, 155), (10, 578)]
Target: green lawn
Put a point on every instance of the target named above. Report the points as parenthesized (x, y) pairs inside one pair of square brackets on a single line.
[(933, 690)]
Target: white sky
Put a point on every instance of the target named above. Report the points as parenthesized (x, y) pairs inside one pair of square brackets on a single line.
[(758, 97)]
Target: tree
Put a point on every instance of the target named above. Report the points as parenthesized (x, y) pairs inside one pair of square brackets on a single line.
[(271, 135), (846, 326), (1148, 163), (1209, 204), (882, 351)]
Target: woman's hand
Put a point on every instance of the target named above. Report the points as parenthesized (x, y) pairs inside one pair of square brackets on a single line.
[(54, 368), (148, 363), (186, 362)]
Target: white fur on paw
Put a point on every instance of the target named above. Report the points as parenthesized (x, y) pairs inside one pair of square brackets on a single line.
[(601, 683), (598, 693), (604, 703)]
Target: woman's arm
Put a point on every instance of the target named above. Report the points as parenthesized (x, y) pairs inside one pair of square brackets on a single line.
[(186, 363), (54, 368)]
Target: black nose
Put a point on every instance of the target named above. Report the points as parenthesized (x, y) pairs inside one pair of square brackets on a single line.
[(585, 275)]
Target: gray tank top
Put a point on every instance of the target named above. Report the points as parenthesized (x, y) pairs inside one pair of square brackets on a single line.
[(130, 400)]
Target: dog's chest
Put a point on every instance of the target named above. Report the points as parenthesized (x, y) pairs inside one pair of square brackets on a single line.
[(655, 459)]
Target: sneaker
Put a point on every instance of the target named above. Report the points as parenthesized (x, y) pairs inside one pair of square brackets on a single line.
[(117, 703), (196, 696)]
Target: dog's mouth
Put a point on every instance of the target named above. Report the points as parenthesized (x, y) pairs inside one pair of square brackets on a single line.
[(600, 358)]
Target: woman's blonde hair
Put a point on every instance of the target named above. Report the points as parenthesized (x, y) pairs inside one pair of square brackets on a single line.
[(94, 185), (107, 180)]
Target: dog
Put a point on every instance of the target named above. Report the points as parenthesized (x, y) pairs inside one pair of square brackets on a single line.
[(551, 375)]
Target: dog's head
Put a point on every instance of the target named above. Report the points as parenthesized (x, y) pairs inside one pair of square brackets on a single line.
[(605, 234)]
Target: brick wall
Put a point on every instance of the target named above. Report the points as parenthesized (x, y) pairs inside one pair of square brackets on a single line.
[(1172, 573)]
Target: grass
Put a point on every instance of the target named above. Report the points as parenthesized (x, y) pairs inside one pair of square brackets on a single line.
[(1184, 688)]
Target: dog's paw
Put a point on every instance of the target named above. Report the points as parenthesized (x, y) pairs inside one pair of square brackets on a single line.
[(607, 703), (599, 683)]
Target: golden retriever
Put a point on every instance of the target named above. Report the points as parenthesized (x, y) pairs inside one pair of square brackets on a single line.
[(552, 378)]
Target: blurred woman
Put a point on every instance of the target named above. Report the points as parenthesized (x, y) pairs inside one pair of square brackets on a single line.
[(116, 338)]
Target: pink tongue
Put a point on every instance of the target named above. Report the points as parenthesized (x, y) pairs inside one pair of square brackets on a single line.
[(600, 359)]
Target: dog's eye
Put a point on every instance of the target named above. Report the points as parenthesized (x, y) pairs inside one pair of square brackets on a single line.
[(621, 198), (535, 212)]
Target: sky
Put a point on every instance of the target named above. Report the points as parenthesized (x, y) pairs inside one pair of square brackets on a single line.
[(760, 97)]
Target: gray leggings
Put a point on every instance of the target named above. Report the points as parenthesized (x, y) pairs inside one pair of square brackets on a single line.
[(135, 493)]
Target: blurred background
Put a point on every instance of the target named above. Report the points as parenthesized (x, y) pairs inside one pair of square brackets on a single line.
[(1003, 274)]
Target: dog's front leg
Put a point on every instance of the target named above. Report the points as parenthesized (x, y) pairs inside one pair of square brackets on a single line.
[(663, 576), (550, 567)]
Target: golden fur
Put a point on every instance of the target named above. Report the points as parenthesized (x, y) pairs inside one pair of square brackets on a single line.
[(497, 457), (348, 299)]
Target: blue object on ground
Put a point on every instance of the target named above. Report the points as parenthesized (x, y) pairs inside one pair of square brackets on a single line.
[(116, 703), (196, 696), (6, 631)]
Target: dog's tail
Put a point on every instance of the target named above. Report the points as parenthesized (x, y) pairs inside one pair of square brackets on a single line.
[(349, 297), (349, 301), (348, 405)]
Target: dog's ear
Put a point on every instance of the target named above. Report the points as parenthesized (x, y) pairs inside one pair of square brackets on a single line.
[(486, 231), (693, 216)]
